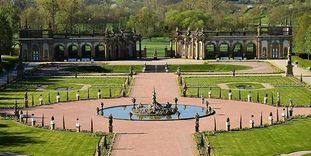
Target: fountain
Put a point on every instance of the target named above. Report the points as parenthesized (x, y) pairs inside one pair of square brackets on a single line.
[(154, 109)]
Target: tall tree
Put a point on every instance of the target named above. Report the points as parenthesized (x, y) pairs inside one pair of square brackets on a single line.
[(6, 36), (52, 7)]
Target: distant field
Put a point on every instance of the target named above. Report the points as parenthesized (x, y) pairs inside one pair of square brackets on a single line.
[(44, 86), (290, 137), (156, 43), (18, 138), (289, 88)]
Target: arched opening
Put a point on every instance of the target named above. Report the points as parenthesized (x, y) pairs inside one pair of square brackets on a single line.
[(237, 51), (73, 52), (224, 50), (264, 52), (35, 53), (59, 53), (250, 51), (210, 51), (86, 51), (99, 52), (275, 50)]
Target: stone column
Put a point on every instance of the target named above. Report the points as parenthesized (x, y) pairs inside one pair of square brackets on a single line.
[(210, 93), (78, 96), (265, 99), (40, 100), (21, 117), (228, 124), (33, 120), (249, 97), (230, 94), (110, 123), (57, 97), (284, 115), (78, 125), (251, 122), (270, 118), (99, 94), (52, 123)]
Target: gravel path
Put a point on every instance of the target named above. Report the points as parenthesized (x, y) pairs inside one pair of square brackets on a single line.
[(298, 153)]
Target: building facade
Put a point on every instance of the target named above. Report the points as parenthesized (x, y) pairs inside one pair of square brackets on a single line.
[(45, 45), (268, 42)]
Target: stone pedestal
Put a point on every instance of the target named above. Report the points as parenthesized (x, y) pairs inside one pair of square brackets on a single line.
[(210, 94), (52, 125), (270, 120), (57, 98), (230, 96), (265, 100), (78, 127), (228, 126), (289, 67), (249, 98), (99, 95), (77, 96), (251, 123), (33, 122)]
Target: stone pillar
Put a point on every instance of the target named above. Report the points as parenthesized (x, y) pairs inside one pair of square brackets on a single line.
[(78, 125), (251, 122), (265, 99), (40, 100), (78, 96), (228, 124), (110, 123), (197, 123), (249, 96), (57, 97), (210, 93), (289, 66), (99, 94), (52, 123), (33, 120), (21, 116), (230, 94), (284, 115), (270, 118)]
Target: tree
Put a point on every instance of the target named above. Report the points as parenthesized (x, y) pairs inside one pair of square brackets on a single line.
[(185, 19), (52, 7), (6, 36), (301, 38)]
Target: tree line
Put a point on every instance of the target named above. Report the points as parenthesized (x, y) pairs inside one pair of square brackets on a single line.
[(152, 18)]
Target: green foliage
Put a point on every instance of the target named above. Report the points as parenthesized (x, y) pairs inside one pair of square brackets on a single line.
[(22, 139), (302, 62), (290, 137), (302, 34), (6, 36), (184, 19)]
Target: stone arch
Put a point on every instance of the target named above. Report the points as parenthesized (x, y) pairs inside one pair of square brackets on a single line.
[(35, 53), (59, 51), (250, 50), (237, 50), (224, 50), (275, 46), (73, 51), (210, 50), (86, 51), (100, 52)]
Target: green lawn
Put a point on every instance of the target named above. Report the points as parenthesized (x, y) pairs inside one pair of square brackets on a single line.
[(158, 43), (302, 62), (289, 88), (105, 69), (22, 139), (208, 67), (290, 137), (17, 90)]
